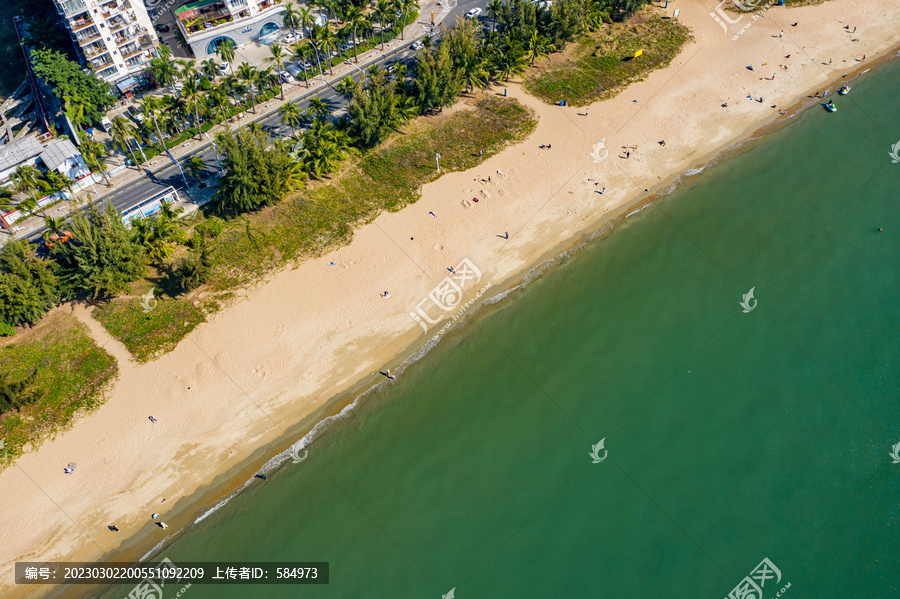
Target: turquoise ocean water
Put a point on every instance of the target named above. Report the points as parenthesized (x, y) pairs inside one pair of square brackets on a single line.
[(732, 437)]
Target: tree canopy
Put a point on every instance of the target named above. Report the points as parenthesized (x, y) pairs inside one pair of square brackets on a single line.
[(103, 257), (256, 171), (85, 98), (28, 285)]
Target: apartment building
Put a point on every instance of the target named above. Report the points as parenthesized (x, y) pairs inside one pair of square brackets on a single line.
[(115, 37), (206, 23)]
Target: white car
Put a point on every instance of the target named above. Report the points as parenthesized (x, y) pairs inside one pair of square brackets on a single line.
[(473, 13), (223, 68), (290, 38), (418, 45), (286, 77)]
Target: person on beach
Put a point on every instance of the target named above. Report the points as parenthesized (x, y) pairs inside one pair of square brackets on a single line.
[(450, 268), (585, 111), (162, 525), (386, 294), (781, 34), (113, 528), (627, 154), (433, 215), (154, 516), (152, 419)]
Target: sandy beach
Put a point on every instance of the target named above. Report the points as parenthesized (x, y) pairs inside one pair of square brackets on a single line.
[(279, 355)]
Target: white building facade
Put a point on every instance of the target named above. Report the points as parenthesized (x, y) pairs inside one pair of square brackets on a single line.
[(207, 23), (115, 37)]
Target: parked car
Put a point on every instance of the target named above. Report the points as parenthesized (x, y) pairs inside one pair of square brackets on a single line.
[(290, 38), (294, 70), (286, 77), (473, 13), (223, 68), (106, 124), (135, 114), (161, 28), (418, 45)]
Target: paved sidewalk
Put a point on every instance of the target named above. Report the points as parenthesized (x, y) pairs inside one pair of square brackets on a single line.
[(292, 93)]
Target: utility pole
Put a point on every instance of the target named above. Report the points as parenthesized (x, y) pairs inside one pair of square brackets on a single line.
[(437, 159)]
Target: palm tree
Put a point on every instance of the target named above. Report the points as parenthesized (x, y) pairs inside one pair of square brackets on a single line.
[(209, 69), (164, 70), (122, 132), (305, 17), (404, 6), (473, 71), (247, 72), (538, 47), (28, 206), (301, 55), (187, 71), (291, 17), (290, 114), (25, 178), (225, 50), (177, 107), (319, 108), (94, 151), (347, 87), (510, 61), (58, 181), (357, 18), (494, 10), (325, 41), (278, 57), (382, 13), (150, 107), (194, 96), (54, 226), (196, 167)]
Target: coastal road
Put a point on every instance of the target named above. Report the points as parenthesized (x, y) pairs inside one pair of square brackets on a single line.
[(130, 194)]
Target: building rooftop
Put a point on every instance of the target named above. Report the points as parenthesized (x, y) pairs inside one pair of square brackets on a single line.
[(17, 152), (57, 152)]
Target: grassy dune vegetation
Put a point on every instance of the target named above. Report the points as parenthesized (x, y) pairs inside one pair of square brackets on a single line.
[(49, 375), (599, 65)]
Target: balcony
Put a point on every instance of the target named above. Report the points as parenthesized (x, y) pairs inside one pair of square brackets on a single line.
[(123, 37), (100, 64), (108, 72), (117, 24), (114, 7), (87, 36), (68, 8), (79, 24), (95, 50), (130, 50)]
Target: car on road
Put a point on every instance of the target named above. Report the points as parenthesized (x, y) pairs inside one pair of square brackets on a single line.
[(286, 77), (418, 45), (290, 38), (161, 28), (473, 13)]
